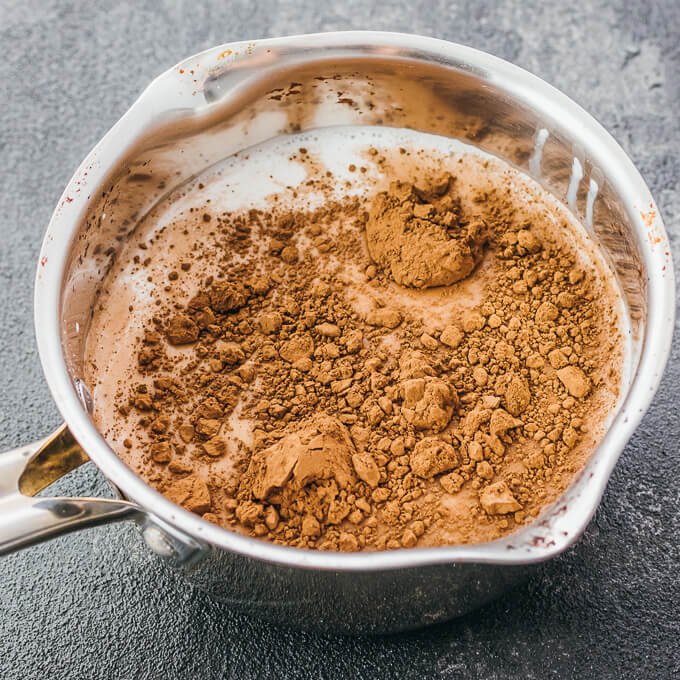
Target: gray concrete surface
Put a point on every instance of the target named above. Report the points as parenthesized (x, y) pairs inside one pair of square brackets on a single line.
[(95, 604)]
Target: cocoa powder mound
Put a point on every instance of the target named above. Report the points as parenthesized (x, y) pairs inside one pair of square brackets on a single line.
[(372, 429), (420, 236)]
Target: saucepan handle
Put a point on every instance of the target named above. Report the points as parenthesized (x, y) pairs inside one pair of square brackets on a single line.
[(25, 519)]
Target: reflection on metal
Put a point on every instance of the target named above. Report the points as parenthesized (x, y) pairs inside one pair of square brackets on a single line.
[(593, 188), (576, 177), (537, 157), (26, 519), (176, 548), (55, 457)]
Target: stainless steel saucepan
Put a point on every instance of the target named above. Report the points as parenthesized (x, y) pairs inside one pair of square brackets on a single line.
[(227, 99)]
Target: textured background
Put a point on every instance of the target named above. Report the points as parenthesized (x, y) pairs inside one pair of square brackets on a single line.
[(95, 604)]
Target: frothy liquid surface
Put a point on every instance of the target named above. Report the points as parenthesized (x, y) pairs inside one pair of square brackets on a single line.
[(181, 244)]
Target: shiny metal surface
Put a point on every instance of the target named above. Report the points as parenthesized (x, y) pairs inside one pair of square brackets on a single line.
[(49, 460), (234, 96), (25, 471)]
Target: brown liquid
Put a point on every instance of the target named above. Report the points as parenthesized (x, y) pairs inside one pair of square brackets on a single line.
[(143, 285)]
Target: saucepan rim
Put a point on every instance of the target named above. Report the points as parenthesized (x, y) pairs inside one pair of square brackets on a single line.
[(558, 527)]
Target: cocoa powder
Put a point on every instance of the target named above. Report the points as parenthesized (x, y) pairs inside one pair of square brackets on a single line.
[(423, 243), (372, 428)]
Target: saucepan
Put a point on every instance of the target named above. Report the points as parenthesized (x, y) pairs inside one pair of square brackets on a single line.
[(232, 97)]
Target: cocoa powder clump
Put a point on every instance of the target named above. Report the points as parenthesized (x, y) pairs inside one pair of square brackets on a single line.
[(420, 236)]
